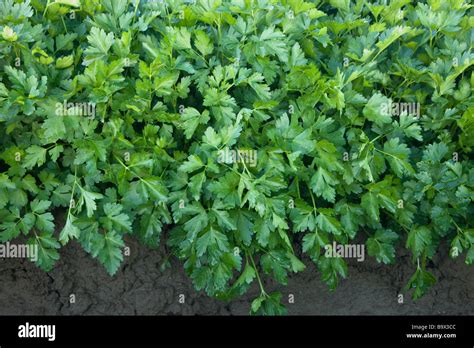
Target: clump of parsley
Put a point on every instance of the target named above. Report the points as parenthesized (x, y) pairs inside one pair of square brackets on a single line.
[(121, 115)]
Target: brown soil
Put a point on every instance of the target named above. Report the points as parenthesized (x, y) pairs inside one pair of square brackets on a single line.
[(140, 287)]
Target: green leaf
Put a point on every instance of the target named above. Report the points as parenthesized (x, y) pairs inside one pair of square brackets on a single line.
[(371, 205), (36, 156), (224, 219), (9, 231), (296, 264), (203, 43), (89, 198), (418, 239), (212, 238), (99, 45), (435, 152), (69, 231), (297, 57), (277, 263), (391, 36), (421, 281), (256, 81), (115, 219), (331, 269), (410, 127), (398, 157), (247, 276), (47, 247), (27, 223), (377, 109), (381, 246), (44, 222), (268, 305), (322, 184), (72, 3), (279, 222), (244, 226), (55, 152), (38, 206), (164, 84), (263, 230), (198, 222), (111, 254), (256, 304), (54, 128), (211, 137), (195, 185), (193, 163), (341, 4), (65, 62), (182, 38), (191, 119), (326, 222), (303, 142), (351, 217), (153, 188), (151, 228), (89, 237), (271, 42), (313, 242)]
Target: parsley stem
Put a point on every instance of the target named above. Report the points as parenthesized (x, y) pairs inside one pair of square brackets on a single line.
[(262, 290), (298, 186), (386, 153), (246, 169), (374, 139), (200, 56), (312, 199), (219, 33), (407, 230), (137, 2), (38, 240), (46, 8), (235, 171), (64, 24), (72, 195), (457, 226), (133, 173)]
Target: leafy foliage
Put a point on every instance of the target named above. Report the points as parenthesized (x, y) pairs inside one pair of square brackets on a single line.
[(118, 113)]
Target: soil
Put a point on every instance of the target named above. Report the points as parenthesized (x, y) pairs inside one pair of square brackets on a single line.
[(143, 287)]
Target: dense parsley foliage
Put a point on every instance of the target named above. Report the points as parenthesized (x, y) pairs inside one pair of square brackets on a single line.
[(170, 85)]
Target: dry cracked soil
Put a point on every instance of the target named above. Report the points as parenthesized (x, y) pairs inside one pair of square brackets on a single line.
[(143, 286)]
